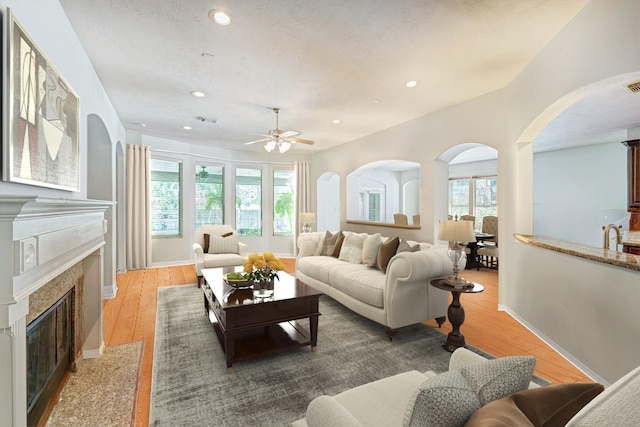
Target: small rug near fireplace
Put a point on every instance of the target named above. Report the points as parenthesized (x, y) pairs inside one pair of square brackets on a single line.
[(103, 392), (190, 385)]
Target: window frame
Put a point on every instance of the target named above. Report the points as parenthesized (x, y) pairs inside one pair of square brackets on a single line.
[(180, 163)]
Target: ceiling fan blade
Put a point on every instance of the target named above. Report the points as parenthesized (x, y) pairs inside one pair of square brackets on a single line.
[(260, 134), (289, 133), (257, 140), (301, 141)]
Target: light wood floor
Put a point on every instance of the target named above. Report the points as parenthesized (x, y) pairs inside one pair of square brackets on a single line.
[(131, 317)]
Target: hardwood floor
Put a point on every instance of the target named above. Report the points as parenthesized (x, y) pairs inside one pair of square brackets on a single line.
[(131, 317)]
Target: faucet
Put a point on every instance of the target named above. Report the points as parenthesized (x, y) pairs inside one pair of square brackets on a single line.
[(606, 237)]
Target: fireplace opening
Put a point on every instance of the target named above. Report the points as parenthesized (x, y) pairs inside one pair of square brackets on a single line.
[(49, 357)]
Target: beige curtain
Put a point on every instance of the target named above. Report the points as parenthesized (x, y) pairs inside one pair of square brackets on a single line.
[(303, 196), (138, 206)]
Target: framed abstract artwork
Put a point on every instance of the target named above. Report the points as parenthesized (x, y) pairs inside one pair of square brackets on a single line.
[(40, 115)]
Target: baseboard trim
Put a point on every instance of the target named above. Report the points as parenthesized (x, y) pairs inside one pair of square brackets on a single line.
[(93, 353), (557, 348), (110, 292)]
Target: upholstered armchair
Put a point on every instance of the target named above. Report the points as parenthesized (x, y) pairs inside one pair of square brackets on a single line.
[(217, 246)]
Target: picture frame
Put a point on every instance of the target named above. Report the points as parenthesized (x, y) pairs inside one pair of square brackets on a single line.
[(40, 117)]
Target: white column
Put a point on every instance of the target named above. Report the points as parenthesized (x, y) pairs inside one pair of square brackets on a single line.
[(13, 366)]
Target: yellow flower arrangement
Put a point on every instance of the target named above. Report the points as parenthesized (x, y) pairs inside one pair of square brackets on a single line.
[(265, 266)]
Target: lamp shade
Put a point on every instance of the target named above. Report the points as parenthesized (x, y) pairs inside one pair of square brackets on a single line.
[(307, 218), (456, 231)]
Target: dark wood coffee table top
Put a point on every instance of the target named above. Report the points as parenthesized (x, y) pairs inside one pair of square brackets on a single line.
[(249, 327)]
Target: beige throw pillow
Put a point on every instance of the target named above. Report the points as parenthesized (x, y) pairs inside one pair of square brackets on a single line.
[(329, 243), (223, 245), (351, 250), (370, 249)]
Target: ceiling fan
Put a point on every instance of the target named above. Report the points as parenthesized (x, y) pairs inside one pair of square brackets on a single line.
[(279, 138)]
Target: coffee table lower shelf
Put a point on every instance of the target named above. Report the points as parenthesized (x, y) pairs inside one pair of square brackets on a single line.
[(265, 340)]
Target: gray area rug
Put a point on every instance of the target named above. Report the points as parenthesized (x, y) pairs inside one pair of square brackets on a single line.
[(190, 385)]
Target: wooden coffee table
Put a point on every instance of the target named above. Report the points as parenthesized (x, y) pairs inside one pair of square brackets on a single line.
[(249, 327)]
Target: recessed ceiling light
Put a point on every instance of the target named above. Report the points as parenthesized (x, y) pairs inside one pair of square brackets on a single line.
[(219, 17), (186, 127), (336, 121), (198, 94), (377, 101), (412, 83)]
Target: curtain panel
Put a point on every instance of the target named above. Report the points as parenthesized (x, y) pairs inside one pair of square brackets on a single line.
[(303, 196), (138, 206)]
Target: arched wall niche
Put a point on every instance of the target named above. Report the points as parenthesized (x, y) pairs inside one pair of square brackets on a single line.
[(378, 190), (101, 186), (328, 202)]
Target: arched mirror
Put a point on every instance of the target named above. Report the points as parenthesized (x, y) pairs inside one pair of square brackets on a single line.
[(387, 191)]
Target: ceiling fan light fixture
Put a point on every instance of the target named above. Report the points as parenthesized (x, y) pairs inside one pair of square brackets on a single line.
[(219, 17), (269, 146), (283, 146)]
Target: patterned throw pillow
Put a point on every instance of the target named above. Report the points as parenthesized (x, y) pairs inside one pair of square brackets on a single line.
[(446, 400), (329, 243), (223, 245), (497, 378), (404, 246), (351, 250)]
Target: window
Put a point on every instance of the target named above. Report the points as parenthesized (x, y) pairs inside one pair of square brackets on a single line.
[(249, 202), (369, 205), (283, 203), (477, 196), (166, 198), (209, 195)]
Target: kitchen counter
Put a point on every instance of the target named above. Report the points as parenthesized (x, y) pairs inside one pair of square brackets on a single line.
[(619, 259)]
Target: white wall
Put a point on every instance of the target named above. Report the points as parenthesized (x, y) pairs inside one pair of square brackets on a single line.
[(49, 27), (509, 120), (577, 191)]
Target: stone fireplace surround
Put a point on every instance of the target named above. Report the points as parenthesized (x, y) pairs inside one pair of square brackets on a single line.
[(40, 238)]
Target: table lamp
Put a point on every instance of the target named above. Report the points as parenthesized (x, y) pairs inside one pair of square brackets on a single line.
[(307, 218), (456, 233)]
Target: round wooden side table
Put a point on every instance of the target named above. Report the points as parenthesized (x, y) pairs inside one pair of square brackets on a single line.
[(455, 312)]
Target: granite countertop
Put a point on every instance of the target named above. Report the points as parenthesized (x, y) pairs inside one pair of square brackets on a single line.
[(633, 239), (619, 259)]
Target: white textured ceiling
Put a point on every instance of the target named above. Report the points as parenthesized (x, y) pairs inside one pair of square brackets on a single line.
[(316, 60)]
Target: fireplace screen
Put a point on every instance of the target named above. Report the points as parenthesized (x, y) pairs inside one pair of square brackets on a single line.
[(49, 356)]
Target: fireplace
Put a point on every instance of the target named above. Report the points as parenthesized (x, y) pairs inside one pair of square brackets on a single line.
[(51, 264)]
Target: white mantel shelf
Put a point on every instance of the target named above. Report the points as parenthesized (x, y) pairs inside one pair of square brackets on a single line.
[(39, 239)]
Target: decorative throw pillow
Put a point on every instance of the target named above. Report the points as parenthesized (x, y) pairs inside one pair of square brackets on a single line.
[(338, 246), (223, 245), (386, 252), (351, 250), (311, 247), (404, 246), (445, 400), (329, 242), (205, 248), (497, 378), (370, 249), (549, 406)]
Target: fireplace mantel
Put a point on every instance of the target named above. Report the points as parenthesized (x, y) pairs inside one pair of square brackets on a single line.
[(39, 239)]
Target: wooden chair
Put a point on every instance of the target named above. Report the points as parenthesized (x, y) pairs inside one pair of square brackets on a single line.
[(488, 249), (416, 219), (400, 219)]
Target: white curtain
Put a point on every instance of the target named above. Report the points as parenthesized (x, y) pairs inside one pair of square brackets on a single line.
[(303, 196), (138, 206)]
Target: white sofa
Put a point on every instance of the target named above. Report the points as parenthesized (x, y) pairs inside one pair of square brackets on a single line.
[(502, 395), (400, 297), (224, 251)]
